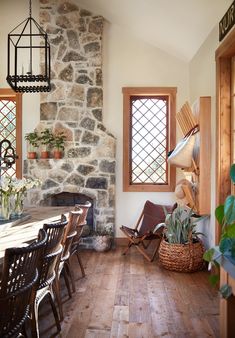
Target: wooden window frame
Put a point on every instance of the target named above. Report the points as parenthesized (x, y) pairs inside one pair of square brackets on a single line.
[(128, 92), (11, 95)]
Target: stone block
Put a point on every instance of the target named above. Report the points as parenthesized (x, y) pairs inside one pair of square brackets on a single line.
[(97, 183), (63, 22), (67, 7), (92, 48), (85, 169), (76, 180), (96, 26), (90, 138), (67, 74), (48, 110), (94, 97), (68, 114), (49, 183), (79, 152), (107, 166), (88, 123)]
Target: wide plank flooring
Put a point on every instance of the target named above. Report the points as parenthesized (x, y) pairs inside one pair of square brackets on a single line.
[(126, 296)]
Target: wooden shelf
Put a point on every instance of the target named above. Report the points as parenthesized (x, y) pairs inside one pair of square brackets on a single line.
[(202, 112)]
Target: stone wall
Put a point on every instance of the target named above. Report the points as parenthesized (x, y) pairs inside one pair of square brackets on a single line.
[(74, 106)]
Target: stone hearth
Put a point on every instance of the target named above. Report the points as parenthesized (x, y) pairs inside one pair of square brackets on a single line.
[(75, 106)]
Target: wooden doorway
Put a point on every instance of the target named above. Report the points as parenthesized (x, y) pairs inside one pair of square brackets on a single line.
[(225, 91)]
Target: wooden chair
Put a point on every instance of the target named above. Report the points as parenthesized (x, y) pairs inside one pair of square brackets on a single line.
[(52, 252), (147, 229), (64, 264), (82, 221), (20, 273)]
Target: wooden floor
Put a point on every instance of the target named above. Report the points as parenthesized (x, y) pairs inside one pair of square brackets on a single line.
[(126, 296)]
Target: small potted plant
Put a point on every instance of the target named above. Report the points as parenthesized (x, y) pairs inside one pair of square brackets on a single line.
[(33, 143), (181, 249), (46, 140), (58, 143), (102, 238)]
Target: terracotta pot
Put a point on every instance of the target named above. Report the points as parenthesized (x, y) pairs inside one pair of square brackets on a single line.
[(32, 155), (57, 154), (44, 154)]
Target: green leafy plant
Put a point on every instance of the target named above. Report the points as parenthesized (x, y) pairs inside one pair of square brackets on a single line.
[(32, 138), (46, 138), (59, 140), (180, 226), (225, 215)]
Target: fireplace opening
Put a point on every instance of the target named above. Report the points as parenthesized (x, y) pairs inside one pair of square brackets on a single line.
[(70, 199)]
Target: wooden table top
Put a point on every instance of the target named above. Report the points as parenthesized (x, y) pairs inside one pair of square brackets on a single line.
[(27, 231)]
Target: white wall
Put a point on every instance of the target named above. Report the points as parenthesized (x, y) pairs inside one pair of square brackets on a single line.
[(12, 13), (128, 61), (202, 74)]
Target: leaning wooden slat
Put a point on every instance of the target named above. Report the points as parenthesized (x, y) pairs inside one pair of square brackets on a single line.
[(187, 118), (181, 123), (192, 118), (184, 123)]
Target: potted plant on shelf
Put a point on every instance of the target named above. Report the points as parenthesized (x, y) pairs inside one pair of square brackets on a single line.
[(58, 143), (33, 143), (181, 249), (102, 238), (46, 139), (225, 251)]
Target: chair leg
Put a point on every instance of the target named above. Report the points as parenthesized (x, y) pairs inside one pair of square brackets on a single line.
[(56, 289), (156, 250), (128, 247), (143, 253), (52, 301), (67, 282), (80, 263), (70, 273), (34, 321)]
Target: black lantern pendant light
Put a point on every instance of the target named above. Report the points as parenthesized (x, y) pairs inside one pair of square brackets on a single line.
[(24, 71)]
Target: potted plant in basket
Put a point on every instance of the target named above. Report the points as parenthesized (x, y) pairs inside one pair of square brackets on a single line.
[(102, 238), (225, 251), (46, 139), (33, 143), (58, 143), (181, 249)]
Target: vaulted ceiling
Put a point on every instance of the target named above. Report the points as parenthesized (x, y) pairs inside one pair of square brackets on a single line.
[(178, 27)]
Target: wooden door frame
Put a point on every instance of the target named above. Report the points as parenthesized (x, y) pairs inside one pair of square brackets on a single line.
[(10, 94), (223, 55)]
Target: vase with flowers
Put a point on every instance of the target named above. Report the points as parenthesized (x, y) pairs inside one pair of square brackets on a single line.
[(5, 191), (19, 189)]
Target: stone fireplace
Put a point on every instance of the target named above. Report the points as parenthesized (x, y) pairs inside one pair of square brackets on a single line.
[(75, 106)]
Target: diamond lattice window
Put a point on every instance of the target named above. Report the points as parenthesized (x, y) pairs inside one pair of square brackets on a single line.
[(148, 136), (10, 127), (149, 118)]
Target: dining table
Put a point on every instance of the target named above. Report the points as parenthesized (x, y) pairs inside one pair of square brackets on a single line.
[(21, 231)]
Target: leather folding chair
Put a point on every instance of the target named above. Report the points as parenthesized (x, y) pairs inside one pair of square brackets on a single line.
[(20, 273), (149, 227)]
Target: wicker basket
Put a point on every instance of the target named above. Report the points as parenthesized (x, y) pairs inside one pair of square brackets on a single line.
[(181, 257)]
